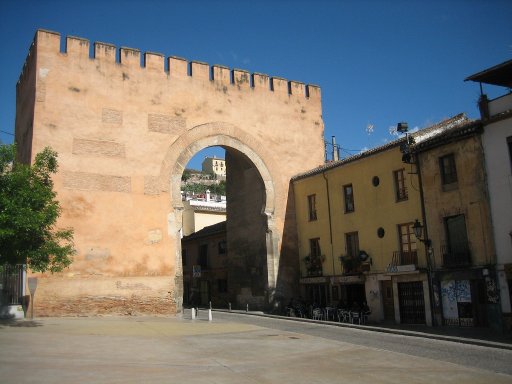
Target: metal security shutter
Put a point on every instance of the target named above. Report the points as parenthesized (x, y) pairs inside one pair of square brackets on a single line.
[(412, 304), (11, 284)]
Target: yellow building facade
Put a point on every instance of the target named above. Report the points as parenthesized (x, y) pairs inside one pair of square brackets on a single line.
[(356, 243)]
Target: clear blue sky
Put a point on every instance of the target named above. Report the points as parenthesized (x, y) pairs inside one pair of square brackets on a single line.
[(377, 62)]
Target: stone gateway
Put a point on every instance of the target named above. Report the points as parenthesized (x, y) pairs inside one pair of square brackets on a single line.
[(124, 131)]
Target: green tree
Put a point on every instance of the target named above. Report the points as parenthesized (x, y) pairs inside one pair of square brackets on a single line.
[(28, 213), (187, 174), (216, 189), (219, 189)]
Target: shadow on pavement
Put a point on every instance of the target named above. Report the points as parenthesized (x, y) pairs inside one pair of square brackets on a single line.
[(19, 323), (478, 333)]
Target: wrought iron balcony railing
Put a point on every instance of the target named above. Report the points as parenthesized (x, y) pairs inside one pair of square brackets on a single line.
[(405, 257), (456, 256), (314, 265), (353, 265)]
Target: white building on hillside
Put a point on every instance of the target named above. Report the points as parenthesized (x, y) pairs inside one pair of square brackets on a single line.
[(214, 165)]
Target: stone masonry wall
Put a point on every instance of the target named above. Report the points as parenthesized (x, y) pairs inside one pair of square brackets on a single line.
[(124, 132)]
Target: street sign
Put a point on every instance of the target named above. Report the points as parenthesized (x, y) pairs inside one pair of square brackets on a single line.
[(32, 285)]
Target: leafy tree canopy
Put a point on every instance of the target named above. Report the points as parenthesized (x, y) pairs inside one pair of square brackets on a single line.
[(28, 213), (216, 189)]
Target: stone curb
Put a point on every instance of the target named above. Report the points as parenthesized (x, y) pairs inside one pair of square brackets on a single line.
[(401, 332)]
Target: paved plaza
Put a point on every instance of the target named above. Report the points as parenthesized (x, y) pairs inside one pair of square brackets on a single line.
[(229, 349)]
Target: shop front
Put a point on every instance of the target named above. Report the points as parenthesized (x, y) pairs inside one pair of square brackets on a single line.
[(350, 291), (467, 297), (315, 291), (411, 297)]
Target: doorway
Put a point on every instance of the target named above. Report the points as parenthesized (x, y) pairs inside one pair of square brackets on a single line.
[(205, 292), (412, 302), (388, 301)]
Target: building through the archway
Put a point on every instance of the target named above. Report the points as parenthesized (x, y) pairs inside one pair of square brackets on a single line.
[(124, 133)]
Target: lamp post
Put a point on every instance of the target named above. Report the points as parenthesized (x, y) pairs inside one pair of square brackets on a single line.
[(405, 148), (418, 232), (409, 158)]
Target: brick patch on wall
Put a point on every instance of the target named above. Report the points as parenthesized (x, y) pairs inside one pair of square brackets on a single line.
[(41, 91), (165, 123), (151, 185), (94, 181), (99, 305), (98, 148), (111, 116)]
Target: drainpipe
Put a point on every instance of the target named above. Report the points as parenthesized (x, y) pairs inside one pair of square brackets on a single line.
[(330, 225), (427, 243)]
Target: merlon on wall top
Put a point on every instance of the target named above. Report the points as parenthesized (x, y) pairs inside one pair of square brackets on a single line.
[(173, 67)]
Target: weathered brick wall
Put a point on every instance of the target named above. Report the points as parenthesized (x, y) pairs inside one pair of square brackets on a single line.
[(96, 295)]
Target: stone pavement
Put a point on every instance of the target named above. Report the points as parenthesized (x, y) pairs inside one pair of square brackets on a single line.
[(174, 350)]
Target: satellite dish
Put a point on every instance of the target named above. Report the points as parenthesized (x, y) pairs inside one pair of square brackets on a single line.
[(363, 256)]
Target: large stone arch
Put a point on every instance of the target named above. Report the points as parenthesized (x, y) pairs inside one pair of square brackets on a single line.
[(214, 134), (177, 157)]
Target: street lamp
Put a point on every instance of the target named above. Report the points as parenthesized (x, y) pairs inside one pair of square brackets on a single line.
[(417, 227)]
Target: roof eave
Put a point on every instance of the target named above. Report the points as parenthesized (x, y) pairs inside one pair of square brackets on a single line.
[(500, 75)]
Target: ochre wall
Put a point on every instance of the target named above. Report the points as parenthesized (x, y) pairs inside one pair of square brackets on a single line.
[(374, 207), (124, 133), (468, 196)]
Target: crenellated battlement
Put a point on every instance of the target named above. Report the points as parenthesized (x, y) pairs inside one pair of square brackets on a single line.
[(175, 67)]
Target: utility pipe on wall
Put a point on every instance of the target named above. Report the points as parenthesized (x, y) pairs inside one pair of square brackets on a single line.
[(330, 221)]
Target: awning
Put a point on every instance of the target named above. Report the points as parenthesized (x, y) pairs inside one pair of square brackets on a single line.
[(355, 279), (500, 74), (314, 280)]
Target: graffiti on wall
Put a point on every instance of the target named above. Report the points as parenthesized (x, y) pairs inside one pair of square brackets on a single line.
[(492, 291), (456, 299)]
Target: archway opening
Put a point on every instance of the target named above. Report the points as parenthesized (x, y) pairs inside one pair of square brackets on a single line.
[(227, 263), (247, 231)]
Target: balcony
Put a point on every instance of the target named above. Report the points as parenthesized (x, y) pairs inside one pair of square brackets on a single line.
[(353, 265), (454, 257), (314, 265), (403, 261), (405, 258)]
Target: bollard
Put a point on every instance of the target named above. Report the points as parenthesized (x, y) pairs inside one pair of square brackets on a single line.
[(210, 305), (247, 308), (193, 313), (229, 307), (210, 315)]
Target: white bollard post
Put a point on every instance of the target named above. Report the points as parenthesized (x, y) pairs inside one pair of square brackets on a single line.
[(193, 313), (210, 315), (229, 307), (247, 308)]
